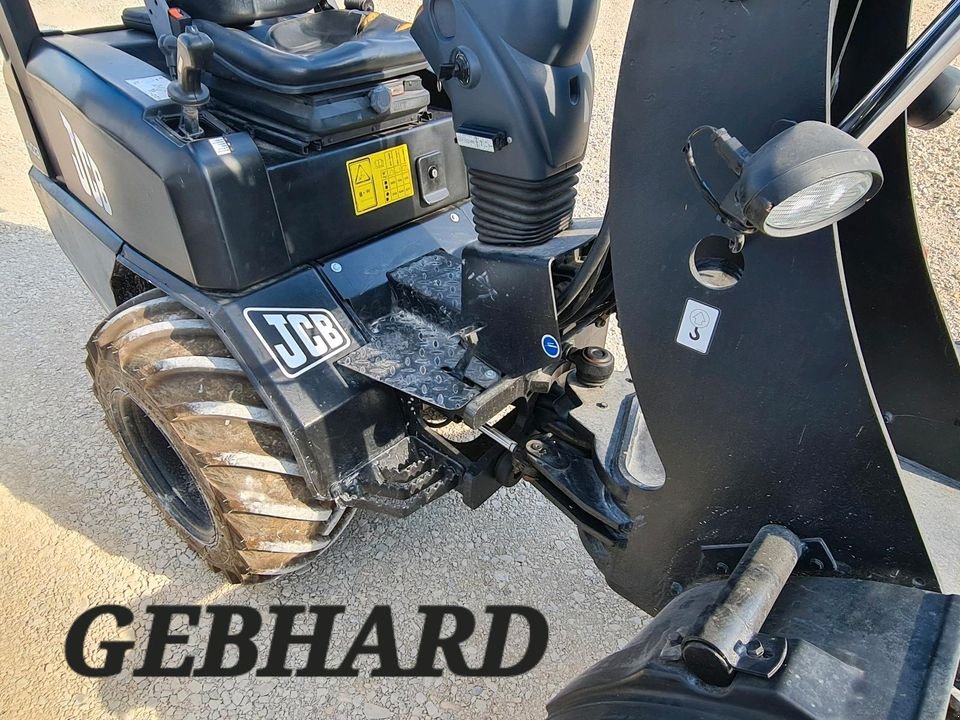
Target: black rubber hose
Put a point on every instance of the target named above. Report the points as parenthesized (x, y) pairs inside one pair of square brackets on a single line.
[(585, 297), (593, 305), (588, 274)]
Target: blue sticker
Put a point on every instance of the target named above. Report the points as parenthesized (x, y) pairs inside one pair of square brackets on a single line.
[(551, 346)]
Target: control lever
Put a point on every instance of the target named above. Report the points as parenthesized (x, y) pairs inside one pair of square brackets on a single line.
[(194, 52)]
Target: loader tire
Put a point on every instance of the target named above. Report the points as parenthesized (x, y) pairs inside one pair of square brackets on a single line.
[(208, 451)]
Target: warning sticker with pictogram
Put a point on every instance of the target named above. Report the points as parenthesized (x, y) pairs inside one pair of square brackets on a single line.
[(380, 179), (697, 326)]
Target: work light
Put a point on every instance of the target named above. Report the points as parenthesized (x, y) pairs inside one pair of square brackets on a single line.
[(806, 178), (809, 176)]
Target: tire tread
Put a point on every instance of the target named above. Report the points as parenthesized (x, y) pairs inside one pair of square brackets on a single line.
[(270, 523)]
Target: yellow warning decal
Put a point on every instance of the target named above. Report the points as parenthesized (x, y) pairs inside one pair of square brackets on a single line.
[(380, 179)]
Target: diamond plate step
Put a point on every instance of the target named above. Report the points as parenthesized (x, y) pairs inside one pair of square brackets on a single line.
[(431, 288), (417, 357)]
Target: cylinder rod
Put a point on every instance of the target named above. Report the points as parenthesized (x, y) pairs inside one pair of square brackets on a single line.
[(499, 438), (929, 56)]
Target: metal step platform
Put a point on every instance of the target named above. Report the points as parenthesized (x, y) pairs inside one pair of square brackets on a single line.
[(421, 348), (399, 482)]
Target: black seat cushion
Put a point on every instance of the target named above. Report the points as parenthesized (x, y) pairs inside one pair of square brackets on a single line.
[(315, 33), (241, 12), (316, 52)]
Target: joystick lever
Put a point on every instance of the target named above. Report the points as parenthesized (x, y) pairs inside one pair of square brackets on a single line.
[(194, 51)]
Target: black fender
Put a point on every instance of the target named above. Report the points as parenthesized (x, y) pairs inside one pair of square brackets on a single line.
[(858, 650), (336, 420)]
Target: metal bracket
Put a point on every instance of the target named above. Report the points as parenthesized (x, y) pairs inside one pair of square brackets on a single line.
[(570, 481), (611, 414), (763, 656), (502, 283), (159, 12), (816, 557), (726, 638)]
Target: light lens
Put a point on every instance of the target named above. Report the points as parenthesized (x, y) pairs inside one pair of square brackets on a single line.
[(814, 206)]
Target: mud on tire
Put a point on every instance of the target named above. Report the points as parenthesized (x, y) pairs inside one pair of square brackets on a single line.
[(208, 451)]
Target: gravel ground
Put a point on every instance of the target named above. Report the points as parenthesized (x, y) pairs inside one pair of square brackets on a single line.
[(75, 530)]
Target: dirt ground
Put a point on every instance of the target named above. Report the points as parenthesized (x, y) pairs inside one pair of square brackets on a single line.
[(75, 530)]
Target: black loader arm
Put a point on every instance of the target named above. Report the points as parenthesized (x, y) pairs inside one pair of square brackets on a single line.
[(780, 412), (757, 393)]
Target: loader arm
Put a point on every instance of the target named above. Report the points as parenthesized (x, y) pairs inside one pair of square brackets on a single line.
[(785, 416)]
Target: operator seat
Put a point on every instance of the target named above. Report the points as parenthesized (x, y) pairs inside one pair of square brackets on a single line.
[(259, 43), (315, 52), (313, 77)]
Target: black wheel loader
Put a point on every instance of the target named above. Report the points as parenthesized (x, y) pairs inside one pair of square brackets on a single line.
[(326, 237)]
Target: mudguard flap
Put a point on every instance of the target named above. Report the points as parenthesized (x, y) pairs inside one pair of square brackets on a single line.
[(334, 420)]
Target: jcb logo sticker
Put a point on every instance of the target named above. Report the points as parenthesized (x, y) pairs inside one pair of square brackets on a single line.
[(88, 171), (298, 340)]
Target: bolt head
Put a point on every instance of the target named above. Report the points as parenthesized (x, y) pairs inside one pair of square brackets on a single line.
[(336, 267), (454, 217), (755, 648)]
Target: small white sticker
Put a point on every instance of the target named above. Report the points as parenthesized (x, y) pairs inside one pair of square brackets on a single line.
[(698, 326), (153, 86), (475, 142), (220, 146)]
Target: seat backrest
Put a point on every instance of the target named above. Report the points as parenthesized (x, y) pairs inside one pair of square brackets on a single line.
[(241, 12)]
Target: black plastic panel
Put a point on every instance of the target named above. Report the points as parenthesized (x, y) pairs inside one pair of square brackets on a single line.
[(92, 251), (314, 196), (524, 71), (221, 213), (856, 651), (210, 219)]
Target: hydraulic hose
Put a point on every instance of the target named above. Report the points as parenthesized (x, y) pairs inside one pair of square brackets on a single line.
[(586, 278)]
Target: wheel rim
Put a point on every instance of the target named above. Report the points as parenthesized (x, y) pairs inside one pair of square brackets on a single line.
[(164, 471)]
